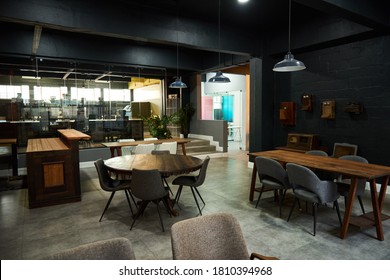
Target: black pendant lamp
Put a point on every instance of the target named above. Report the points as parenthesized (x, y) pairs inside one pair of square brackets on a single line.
[(177, 83), (219, 77), (289, 63)]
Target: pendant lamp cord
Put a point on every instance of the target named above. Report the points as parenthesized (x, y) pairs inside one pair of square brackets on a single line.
[(289, 25), (219, 33), (177, 38)]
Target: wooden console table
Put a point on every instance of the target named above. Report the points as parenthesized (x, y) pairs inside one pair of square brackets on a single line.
[(53, 169)]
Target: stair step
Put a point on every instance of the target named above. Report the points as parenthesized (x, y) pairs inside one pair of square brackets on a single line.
[(197, 147)]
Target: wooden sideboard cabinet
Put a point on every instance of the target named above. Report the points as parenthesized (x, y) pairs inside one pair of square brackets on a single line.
[(301, 142), (53, 169)]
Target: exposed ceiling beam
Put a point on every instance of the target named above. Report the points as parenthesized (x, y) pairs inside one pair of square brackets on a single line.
[(36, 38), (362, 11)]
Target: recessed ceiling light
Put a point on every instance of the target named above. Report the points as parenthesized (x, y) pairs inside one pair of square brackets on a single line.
[(243, 1)]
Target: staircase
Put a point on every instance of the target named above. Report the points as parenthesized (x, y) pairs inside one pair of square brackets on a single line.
[(198, 147)]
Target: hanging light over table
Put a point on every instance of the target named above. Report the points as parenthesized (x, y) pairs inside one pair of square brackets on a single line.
[(178, 82), (289, 63), (219, 77)]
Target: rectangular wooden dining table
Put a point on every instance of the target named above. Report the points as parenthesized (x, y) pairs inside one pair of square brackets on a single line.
[(116, 146), (354, 170)]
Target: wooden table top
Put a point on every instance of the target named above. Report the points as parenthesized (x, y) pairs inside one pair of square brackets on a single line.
[(73, 134), (4, 141), (166, 164), (135, 143), (345, 167), (45, 145)]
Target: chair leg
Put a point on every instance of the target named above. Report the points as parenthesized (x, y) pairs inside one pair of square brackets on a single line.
[(178, 193), (108, 204), (169, 188), (140, 211), (336, 204), (361, 203), (292, 208), (159, 214), (128, 200), (280, 202), (201, 198), (132, 198), (315, 205), (258, 199), (196, 200)]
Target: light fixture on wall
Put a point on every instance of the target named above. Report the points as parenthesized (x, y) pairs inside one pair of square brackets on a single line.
[(219, 77), (289, 64), (177, 83)]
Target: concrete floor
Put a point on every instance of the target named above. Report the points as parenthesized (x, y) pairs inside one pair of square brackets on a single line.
[(35, 233)]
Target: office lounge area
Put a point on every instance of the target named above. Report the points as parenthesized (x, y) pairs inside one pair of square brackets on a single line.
[(344, 69), (37, 233)]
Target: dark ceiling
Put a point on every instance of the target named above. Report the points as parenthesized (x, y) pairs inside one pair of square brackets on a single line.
[(121, 38)]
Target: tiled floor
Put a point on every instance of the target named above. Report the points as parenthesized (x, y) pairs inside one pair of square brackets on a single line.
[(35, 233)]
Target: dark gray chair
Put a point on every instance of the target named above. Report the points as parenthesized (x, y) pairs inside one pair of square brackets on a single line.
[(272, 176), (210, 237), (344, 184), (162, 152), (308, 187), (111, 249), (193, 182), (323, 175), (110, 185), (317, 153), (148, 186)]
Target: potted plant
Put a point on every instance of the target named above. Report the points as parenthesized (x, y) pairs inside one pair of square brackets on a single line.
[(183, 118), (158, 126)]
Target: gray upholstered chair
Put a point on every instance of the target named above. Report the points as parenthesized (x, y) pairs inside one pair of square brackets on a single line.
[(143, 149), (210, 237), (317, 153), (110, 185), (193, 182), (162, 152), (111, 249), (308, 187), (323, 175), (148, 186), (344, 184), (168, 146), (126, 150), (272, 176)]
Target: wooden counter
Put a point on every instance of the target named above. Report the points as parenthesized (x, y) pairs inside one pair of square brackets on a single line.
[(53, 169)]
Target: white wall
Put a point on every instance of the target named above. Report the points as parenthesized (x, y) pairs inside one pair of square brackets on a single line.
[(237, 86), (152, 94)]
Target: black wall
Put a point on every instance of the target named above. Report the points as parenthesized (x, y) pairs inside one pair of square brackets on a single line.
[(356, 72)]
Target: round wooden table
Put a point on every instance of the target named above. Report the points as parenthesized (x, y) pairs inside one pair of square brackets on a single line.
[(166, 164)]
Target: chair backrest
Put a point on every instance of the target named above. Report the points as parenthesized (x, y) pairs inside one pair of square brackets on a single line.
[(202, 173), (317, 153), (147, 184), (302, 177), (150, 139), (268, 168), (144, 149), (104, 178), (160, 152), (210, 237), (126, 140), (343, 149), (111, 249), (361, 182), (127, 150), (170, 146)]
